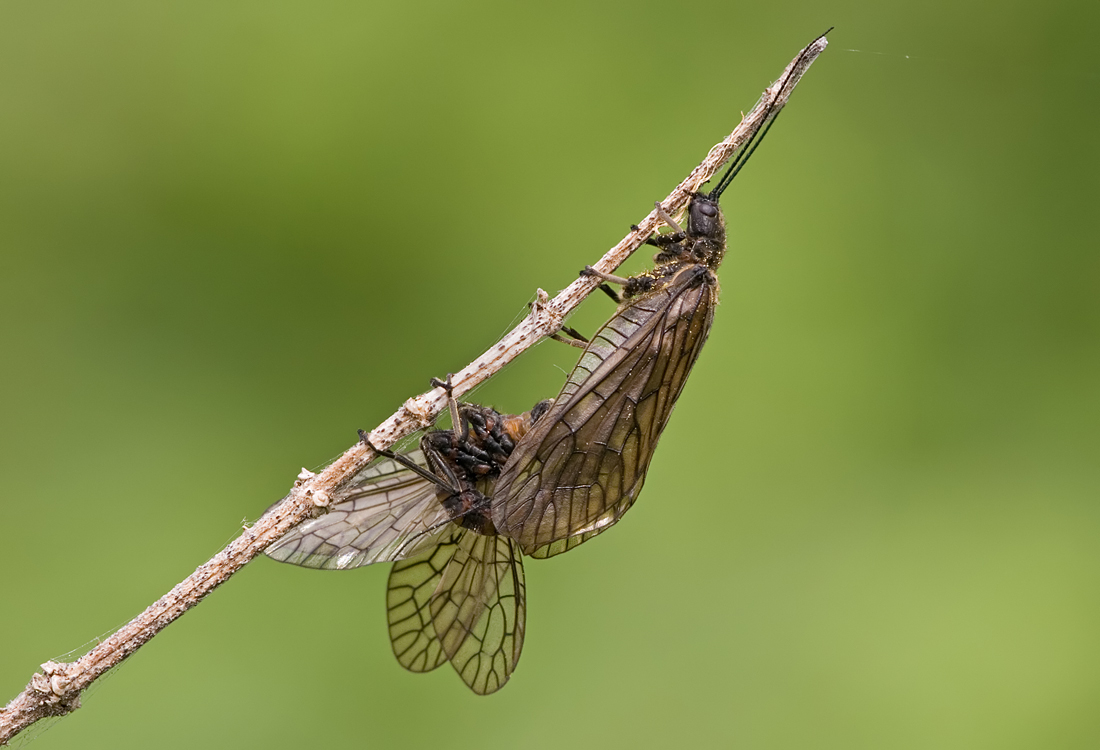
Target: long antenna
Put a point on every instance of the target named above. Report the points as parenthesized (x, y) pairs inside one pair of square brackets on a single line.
[(761, 130)]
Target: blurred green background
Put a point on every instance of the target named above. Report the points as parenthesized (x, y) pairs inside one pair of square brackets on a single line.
[(233, 233)]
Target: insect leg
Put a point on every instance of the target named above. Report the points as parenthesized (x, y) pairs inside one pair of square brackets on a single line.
[(590, 271), (407, 463), (611, 293), (574, 334), (570, 342), (575, 337), (462, 430), (666, 218)]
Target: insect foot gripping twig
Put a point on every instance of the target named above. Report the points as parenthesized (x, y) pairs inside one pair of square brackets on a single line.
[(65, 682)]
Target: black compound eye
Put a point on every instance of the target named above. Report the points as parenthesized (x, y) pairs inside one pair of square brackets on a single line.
[(707, 209)]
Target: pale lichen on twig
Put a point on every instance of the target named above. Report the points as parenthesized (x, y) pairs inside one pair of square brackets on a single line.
[(56, 690)]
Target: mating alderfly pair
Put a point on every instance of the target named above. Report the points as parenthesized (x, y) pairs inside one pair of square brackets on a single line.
[(457, 515)]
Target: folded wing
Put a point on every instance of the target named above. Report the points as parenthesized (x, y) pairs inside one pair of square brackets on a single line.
[(386, 512), (583, 464), (463, 601)]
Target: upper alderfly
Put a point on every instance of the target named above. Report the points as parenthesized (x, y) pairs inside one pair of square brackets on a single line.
[(582, 467)]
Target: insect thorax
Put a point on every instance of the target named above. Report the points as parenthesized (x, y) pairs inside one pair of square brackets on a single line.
[(703, 244), (694, 251), (470, 510), (475, 459)]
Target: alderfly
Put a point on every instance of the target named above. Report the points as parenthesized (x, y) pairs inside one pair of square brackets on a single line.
[(456, 591)]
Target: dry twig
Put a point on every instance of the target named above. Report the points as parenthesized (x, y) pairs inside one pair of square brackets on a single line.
[(56, 690)]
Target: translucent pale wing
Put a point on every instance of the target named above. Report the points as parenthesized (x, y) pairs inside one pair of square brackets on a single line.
[(479, 611), (408, 599), (583, 464), (386, 512), (465, 602)]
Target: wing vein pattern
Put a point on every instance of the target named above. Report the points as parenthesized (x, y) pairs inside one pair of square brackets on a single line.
[(463, 602), (583, 464), (385, 512)]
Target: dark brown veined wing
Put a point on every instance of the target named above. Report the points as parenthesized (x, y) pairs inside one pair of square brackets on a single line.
[(386, 512), (464, 601), (582, 465)]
